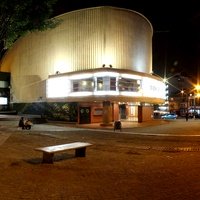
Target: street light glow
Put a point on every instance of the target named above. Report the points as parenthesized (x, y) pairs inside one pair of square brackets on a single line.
[(197, 87)]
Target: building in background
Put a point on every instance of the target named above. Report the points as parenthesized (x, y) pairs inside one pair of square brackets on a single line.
[(94, 67), (4, 92)]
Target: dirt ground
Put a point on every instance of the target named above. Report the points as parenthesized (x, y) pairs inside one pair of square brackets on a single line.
[(116, 167)]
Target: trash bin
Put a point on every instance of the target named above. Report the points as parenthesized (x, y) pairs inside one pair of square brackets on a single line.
[(117, 125)]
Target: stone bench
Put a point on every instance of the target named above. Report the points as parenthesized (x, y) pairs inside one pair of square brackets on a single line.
[(48, 152)]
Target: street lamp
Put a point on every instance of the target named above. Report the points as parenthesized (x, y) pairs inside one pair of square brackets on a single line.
[(196, 95), (197, 87), (185, 100)]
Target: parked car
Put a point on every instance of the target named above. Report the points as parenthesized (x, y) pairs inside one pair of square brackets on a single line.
[(169, 116)]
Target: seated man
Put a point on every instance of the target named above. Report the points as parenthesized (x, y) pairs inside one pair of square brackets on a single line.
[(28, 124), (21, 123)]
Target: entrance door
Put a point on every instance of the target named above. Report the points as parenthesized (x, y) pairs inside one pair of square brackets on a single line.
[(84, 115), (122, 111)]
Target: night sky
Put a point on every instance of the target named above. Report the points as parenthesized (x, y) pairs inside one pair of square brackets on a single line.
[(176, 24)]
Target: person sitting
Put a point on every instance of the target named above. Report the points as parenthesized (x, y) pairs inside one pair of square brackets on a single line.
[(28, 124), (21, 123)]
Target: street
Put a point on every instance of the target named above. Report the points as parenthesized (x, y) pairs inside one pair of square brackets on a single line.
[(146, 162)]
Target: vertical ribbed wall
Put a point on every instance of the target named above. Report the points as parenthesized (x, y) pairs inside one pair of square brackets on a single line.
[(85, 39), (106, 35), (129, 40)]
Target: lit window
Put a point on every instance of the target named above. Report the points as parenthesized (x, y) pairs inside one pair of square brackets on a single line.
[(3, 101), (99, 83), (113, 83), (83, 85), (129, 85), (106, 83)]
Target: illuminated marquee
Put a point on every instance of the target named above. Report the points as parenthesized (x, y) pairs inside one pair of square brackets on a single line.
[(153, 88), (104, 83)]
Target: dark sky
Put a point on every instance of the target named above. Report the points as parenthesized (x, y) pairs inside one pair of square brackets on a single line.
[(176, 24)]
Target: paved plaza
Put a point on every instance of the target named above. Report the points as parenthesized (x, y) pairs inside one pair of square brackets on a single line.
[(149, 161)]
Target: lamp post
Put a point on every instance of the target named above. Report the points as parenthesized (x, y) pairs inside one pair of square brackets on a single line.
[(185, 100), (194, 106), (197, 87)]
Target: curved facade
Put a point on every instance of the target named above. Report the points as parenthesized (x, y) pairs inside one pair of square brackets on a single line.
[(97, 39)]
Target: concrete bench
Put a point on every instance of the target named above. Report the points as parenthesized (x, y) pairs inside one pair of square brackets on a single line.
[(48, 152)]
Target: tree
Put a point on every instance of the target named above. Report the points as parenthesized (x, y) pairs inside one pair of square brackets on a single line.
[(17, 17)]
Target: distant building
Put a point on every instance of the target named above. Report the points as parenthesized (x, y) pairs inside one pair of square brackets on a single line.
[(4, 91), (181, 94), (94, 67)]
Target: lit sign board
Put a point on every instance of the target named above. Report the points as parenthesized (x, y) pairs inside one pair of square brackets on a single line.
[(3, 101), (59, 87), (153, 88)]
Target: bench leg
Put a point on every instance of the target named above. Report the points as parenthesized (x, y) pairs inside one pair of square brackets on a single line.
[(47, 158), (80, 152)]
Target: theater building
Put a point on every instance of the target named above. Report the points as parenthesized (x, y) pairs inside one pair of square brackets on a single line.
[(94, 67)]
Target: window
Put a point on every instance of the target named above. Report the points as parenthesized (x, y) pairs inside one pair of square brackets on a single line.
[(83, 85), (106, 83), (113, 83), (75, 86), (99, 83), (129, 85)]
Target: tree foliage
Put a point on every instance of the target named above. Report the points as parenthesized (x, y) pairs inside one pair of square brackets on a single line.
[(17, 17)]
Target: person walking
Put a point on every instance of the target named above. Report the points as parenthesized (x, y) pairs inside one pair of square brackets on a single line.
[(186, 116)]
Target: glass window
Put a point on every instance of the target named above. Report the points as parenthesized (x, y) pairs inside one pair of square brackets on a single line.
[(112, 83), (106, 83), (99, 83), (75, 86), (83, 85), (129, 85), (3, 84)]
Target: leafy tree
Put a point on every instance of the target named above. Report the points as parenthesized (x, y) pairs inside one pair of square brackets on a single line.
[(17, 17)]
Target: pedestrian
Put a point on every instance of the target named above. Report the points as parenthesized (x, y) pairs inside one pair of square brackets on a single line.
[(186, 116), (21, 123), (28, 124)]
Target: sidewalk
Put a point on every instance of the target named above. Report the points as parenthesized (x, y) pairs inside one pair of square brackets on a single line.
[(12, 121), (125, 124), (117, 166)]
